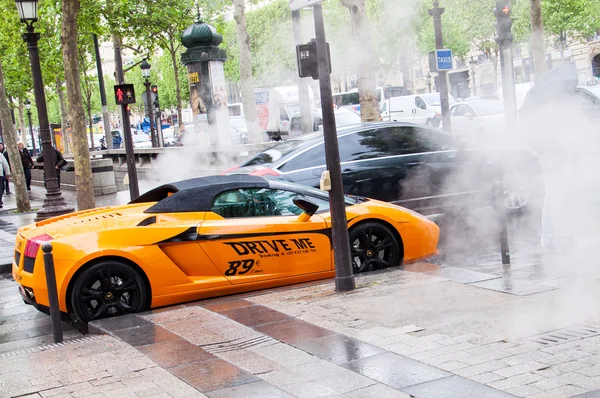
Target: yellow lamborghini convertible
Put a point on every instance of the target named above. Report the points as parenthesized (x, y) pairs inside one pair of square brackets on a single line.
[(206, 237)]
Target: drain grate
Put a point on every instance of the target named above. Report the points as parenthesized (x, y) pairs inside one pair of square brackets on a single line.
[(237, 344), (565, 335), (52, 346)]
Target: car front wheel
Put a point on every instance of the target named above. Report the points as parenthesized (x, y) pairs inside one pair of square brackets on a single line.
[(108, 289), (373, 246)]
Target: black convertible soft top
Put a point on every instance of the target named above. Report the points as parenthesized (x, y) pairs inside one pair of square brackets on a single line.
[(196, 194)]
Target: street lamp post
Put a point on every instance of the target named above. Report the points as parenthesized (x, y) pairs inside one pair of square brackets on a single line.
[(429, 81), (145, 66), (28, 108), (54, 203), (473, 62)]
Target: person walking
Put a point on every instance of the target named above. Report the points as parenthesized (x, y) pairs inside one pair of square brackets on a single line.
[(60, 162), (4, 174), (5, 185), (27, 163), (549, 118)]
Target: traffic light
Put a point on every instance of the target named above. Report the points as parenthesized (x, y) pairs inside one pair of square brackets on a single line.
[(154, 92), (308, 63), (504, 22)]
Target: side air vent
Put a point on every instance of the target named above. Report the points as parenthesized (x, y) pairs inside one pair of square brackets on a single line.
[(147, 221)]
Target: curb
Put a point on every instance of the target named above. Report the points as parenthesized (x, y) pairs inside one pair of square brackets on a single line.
[(5, 268)]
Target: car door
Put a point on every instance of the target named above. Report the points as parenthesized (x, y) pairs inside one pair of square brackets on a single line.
[(421, 114), (255, 235), (366, 171), (401, 109)]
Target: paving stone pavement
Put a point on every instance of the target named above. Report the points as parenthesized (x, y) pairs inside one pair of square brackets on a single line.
[(98, 366), (21, 325)]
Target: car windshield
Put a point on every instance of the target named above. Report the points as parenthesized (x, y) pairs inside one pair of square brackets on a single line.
[(433, 99), (488, 107), (346, 118), (275, 153)]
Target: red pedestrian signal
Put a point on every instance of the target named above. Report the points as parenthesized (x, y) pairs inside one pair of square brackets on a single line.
[(124, 94), (506, 10)]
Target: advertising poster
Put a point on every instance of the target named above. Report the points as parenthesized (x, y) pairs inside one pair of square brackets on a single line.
[(219, 97)]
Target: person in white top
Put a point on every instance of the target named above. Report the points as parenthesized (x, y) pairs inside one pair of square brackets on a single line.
[(4, 174)]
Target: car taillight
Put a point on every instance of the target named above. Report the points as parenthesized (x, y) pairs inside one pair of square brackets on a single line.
[(264, 172), (229, 170), (33, 245)]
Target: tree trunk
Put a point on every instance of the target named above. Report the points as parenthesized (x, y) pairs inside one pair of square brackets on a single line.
[(537, 38), (254, 132), (83, 170), (10, 141), (177, 86), (367, 86), (24, 128), (64, 117)]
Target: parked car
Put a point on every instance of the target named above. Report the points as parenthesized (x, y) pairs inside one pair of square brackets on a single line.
[(421, 168), (343, 117), (239, 130), (206, 237), (141, 140), (419, 109), (476, 120), (168, 135)]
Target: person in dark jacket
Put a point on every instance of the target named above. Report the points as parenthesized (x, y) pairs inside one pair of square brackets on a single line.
[(59, 163), (27, 163), (4, 152), (551, 118)]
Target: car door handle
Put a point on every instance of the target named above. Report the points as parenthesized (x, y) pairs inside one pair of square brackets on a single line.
[(414, 163)]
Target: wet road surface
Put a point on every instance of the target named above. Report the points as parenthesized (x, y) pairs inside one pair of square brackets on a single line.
[(21, 325)]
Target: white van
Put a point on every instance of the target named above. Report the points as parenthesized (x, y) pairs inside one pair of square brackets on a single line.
[(418, 109)]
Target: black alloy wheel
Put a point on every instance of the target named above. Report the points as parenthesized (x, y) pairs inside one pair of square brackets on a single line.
[(373, 246), (108, 289)]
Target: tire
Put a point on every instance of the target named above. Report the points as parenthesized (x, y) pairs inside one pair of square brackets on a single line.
[(122, 292), (373, 246), (429, 122)]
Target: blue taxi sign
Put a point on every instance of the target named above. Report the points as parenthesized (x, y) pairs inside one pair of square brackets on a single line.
[(443, 59)]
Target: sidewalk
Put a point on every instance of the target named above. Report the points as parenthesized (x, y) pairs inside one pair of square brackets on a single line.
[(525, 330)]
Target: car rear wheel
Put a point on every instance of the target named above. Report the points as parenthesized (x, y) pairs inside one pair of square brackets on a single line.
[(108, 289), (373, 246)]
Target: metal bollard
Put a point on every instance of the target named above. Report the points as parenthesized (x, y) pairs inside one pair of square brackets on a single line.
[(52, 293), (499, 197)]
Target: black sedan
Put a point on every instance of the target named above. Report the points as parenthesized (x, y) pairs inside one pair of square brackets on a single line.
[(421, 168)]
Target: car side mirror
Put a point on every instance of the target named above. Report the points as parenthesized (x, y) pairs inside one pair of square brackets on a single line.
[(320, 127), (470, 116), (309, 208)]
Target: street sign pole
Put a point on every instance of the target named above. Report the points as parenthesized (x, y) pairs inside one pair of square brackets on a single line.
[(442, 83), (134, 190), (344, 278), (125, 95)]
